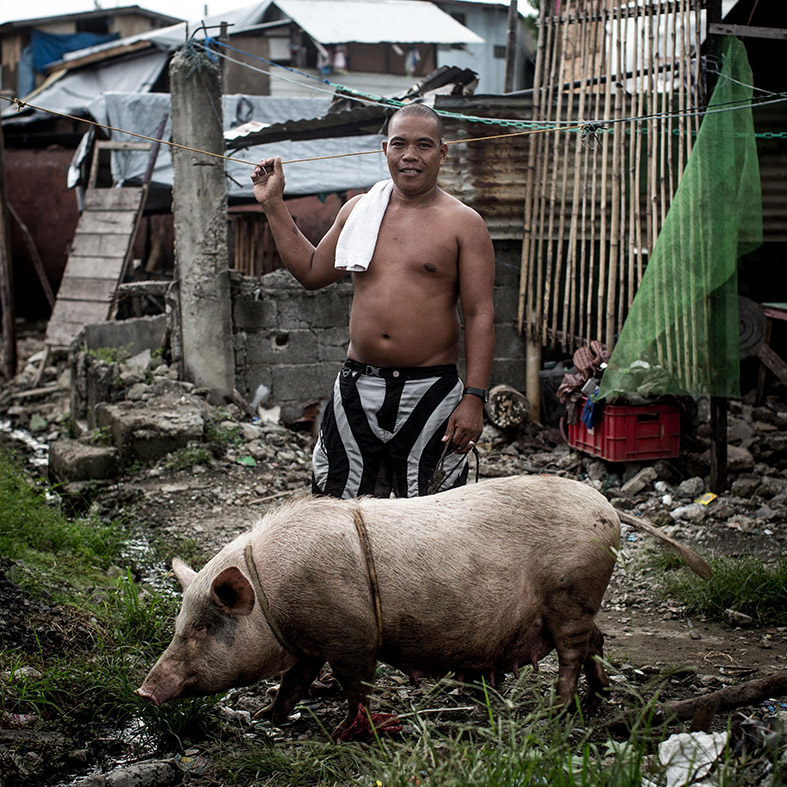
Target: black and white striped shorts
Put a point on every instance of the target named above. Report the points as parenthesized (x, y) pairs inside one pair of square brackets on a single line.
[(382, 432)]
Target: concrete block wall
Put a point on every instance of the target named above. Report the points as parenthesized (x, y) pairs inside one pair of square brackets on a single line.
[(289, 339), (294, 341)]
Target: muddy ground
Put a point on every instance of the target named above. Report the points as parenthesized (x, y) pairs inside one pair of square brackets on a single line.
[(648, 633)]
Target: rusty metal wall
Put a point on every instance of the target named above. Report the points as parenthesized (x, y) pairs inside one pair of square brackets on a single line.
[(488, 175), (770, 121)]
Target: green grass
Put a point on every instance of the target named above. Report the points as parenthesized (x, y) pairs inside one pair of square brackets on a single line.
[(53, 549), (110, 354), (745, 585), (512, 740), (113, 628)]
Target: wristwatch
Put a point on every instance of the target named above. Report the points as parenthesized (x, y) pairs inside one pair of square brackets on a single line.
[(481, 393)]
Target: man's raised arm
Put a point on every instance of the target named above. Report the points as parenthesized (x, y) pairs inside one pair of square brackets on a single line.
[(312, 266)]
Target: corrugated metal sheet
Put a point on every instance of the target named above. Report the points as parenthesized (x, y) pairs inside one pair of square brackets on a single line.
[(376, 21), (488, 175), (771, 119)]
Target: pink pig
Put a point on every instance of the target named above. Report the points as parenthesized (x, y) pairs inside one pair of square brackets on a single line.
[(477, 581)]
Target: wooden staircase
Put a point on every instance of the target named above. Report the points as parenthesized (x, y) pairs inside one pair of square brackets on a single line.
[(100, 254)]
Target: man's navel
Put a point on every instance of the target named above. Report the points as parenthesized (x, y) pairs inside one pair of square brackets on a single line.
[(431, 268)]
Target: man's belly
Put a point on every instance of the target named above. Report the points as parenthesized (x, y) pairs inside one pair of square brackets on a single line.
[(419, 340)]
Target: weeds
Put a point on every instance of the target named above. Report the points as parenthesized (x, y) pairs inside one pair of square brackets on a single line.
[(742, 584), (190, 456), (112, 629), (524, 743), (109, 354), (35, 532)]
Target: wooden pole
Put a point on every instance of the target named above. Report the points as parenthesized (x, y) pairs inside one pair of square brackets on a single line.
[(596, 61), (527, 283), (552, 284), (718, 404), (511, 47), (602, 266), (574, 266), (6, 277), (614, 225), (542, 240), (562, 148)]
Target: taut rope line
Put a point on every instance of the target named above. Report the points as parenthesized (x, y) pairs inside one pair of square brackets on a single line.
[(22, 104)]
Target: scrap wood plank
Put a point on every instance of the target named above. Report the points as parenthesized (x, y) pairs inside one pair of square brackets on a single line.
[(94, 267), (99, 256), (98, 245), (77, 288)]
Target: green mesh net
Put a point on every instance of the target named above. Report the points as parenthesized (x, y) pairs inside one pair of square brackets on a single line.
[(681, 335)]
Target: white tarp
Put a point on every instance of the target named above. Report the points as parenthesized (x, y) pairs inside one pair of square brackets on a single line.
[(142, 113), (83, 91)]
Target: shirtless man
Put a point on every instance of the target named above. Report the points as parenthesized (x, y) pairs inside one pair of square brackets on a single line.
[(399, 413)]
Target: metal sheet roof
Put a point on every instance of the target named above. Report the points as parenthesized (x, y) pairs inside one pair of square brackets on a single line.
[(376, 21)]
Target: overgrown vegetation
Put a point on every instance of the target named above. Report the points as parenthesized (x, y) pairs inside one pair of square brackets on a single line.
[(50, 549), (111, 628), (744, 585), (109, 354)]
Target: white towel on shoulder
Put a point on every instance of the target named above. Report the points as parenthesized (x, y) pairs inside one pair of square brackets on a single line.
[(358, 237)]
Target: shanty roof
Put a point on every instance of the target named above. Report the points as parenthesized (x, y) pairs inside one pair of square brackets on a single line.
[(19, 22), (376, 21)]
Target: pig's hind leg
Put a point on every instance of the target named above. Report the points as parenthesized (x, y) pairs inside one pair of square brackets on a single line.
[(294, 684), (572, 630), (597, 678)]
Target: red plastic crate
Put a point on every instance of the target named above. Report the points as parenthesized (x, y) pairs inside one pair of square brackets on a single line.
[(630, 433)]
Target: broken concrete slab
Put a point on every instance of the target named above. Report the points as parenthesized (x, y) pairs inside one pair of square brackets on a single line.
[(150, 430), (134, 336), (79, 460), (639, 481)]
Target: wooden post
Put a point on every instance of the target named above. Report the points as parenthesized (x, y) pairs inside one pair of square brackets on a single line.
[(718, 405), (6, 277), (513, 18)]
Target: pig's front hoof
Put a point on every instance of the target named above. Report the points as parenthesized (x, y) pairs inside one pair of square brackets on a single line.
[(264, 713), (276, 716), (365, 725)]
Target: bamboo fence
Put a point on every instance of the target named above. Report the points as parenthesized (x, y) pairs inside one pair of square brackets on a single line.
[(626, 73)]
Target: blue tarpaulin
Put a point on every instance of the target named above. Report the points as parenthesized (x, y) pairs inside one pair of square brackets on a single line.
[(50, 47)]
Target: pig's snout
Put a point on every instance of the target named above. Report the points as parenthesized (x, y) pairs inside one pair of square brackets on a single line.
[(147, 695), (159, 688)]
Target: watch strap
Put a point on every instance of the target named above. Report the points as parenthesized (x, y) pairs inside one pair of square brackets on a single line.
[(481, 393)]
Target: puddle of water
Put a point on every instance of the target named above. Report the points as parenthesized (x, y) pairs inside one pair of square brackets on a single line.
[(138, 551), (39, 450)]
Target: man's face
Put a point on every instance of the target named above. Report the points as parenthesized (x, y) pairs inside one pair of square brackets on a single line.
[(414, 152)]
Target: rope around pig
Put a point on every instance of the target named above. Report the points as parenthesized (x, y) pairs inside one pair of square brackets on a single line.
[(371, 572)]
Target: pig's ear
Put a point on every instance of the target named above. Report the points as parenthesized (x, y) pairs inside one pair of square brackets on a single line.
[(233, 592), (183, 572)]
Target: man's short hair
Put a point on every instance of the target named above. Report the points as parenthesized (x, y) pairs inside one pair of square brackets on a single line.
[(423, 111)]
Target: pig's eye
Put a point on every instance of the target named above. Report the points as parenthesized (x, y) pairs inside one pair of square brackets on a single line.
[(199, 629)]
